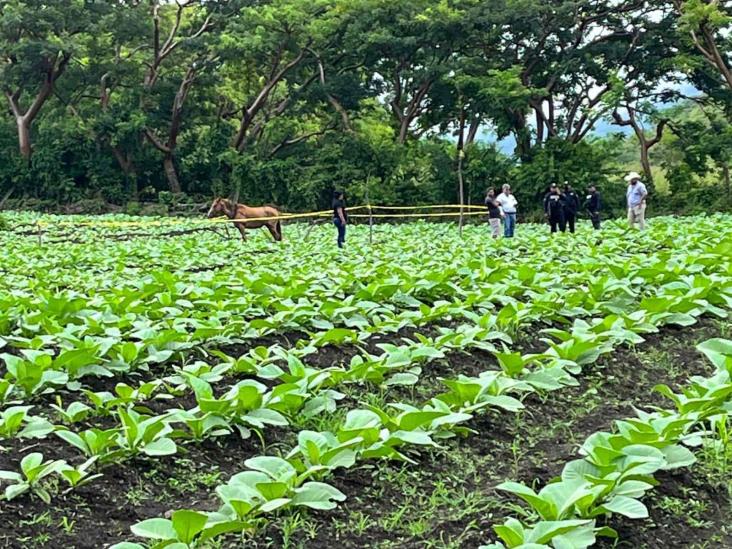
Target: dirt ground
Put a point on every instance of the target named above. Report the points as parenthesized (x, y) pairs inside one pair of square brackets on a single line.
[(447, 500)]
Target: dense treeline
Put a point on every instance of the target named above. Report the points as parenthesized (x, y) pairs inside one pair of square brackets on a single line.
[(129, 100)]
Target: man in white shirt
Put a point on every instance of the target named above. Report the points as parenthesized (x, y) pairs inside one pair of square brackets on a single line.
[(508, 203), (636, 195)]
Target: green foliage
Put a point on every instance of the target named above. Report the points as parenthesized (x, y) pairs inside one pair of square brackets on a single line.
[(288, 100), (174, 330)]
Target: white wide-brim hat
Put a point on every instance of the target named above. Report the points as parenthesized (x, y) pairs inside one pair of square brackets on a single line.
[(631, 176)]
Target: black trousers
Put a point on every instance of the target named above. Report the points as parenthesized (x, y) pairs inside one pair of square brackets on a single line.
[(595, 218), (557, 222), (570, 221)]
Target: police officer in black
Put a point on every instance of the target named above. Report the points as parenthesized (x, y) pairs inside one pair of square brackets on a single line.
[(592, 204), (554, 209), (340, 218), (571, 206)]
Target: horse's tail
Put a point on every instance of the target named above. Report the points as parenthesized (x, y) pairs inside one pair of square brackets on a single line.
[(278, 228)]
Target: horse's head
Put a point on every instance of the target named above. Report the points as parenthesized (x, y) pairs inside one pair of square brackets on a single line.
[(219, 207)]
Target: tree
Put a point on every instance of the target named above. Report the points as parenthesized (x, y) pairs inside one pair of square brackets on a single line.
[(708, 25), (559, 61), (186, 36), (38, 40), (405, 50), (638, 120)]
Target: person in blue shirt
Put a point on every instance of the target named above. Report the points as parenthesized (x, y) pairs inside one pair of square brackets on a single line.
[(636, 196)]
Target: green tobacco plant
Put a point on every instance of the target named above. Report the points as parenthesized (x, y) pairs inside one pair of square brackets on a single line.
[(489, 389), (719, 352), (569, 534), (270, 484), (81, 475), (199, 426), (74, 413), (618, 467), (94, 443), (184, 530), (145, 434), (16, 421), (34, 472), (33, 375), (6, 391), (322, 452)]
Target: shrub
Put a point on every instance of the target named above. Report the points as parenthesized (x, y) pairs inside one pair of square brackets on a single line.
[(133, 208)]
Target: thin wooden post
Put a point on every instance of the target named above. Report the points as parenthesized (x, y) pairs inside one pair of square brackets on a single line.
[(461, 156), (371, 213), (40, 233)]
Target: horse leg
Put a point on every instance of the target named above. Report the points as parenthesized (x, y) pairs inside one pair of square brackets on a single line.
[(242, 230), (278, 226), (273, 231)]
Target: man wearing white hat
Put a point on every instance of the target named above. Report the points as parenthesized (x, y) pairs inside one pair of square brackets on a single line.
[(636, 195)]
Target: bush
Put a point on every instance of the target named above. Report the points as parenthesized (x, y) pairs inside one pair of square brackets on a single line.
[(153, 209), (133, 208), (89, 206)]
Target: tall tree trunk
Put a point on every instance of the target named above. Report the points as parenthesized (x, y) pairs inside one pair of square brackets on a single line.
[(522, 136), (24, 140), (646, 163), (24, 120), (644, 143), (170, 173), (176, 118), (404, 130)]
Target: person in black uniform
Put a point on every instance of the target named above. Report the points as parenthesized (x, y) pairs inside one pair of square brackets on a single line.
[(554, 209), (340, 219), (592, 204), (571, 206)]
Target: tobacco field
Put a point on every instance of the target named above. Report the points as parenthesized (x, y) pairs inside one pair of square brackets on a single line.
[(167, 386)]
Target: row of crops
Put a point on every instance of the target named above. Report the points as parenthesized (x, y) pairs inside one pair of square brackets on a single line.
[(121, 349)]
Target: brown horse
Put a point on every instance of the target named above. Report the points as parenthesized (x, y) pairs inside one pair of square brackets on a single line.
[(223, 206)]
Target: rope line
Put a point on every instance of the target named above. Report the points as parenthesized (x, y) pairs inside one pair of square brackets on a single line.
[(453, 214), (322, 213)]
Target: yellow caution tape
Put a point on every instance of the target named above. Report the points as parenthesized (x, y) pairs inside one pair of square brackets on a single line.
[(322, 213), (429, 207), (393, 216)]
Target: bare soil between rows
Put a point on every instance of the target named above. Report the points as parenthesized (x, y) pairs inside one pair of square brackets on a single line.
[(529, 447), (448, 499)]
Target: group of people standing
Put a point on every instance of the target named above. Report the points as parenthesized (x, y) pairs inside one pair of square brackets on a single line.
[(502, 208), (561, 207)]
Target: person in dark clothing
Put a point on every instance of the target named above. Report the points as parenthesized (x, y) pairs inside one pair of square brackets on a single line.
[(592, 204), (494, 213), (571, 206), (340, 219), (554, 209)]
